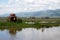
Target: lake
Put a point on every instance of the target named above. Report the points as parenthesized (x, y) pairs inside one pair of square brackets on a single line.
[(31, 34)]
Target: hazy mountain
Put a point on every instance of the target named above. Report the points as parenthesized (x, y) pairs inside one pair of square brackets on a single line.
[(46, 13)]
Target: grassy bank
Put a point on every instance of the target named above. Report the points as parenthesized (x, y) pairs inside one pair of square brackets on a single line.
[(8, 25), (18, 25)]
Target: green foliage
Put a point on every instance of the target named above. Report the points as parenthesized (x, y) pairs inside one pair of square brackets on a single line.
[(21, 24), (19, 20)]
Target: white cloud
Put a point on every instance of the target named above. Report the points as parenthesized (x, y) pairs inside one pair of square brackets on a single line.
[(29, 5)]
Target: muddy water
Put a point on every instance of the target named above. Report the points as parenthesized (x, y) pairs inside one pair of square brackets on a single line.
[(31, 34)]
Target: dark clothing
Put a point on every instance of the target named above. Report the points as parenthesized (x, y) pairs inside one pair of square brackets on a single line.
[(13, 19)]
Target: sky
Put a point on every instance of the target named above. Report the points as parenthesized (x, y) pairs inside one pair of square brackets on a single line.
[(15, 6)]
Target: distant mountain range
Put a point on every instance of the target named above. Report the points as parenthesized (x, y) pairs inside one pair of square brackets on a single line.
[(46, 13)]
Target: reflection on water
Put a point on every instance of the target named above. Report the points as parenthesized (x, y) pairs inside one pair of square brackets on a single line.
[(31, 34), (12, 31), (42, 29)]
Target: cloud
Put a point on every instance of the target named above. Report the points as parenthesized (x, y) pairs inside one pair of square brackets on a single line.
[(29, 5)]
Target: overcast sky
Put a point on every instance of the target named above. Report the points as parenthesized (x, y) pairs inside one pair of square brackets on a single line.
[(8, 6)]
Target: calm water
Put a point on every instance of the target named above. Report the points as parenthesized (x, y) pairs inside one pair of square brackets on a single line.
[(31, 34)]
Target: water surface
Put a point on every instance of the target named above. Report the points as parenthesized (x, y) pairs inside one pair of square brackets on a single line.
[(31, 34)]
